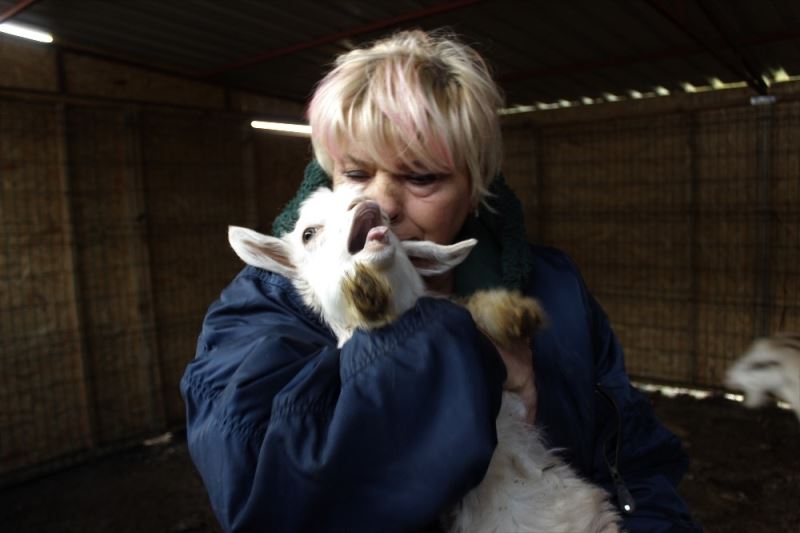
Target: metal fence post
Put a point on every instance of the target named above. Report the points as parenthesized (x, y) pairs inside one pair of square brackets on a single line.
[(763, 289), (136, 206)]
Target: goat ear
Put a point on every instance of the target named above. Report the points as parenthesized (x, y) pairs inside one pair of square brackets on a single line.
[(263, 251), (431, 259)]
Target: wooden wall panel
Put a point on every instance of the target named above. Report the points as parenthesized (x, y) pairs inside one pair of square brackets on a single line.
[(280, 161), (683, 220), (614, 196), (88, 76), (684, 223), (727, 268), (194, 189), (119, 333), (43, 399), (27, 65), (114, 241), (785, 220), (258, 104)]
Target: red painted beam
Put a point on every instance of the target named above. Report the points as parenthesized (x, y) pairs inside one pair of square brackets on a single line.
[(752, 78), (367, 28), (585, 66), (16, 9), (622, 61)]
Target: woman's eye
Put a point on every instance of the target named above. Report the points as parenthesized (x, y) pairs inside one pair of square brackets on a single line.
[(356, 175), (422, 179), (308, 234)]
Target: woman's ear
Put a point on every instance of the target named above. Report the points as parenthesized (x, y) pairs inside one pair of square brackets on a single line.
[(475, 205)]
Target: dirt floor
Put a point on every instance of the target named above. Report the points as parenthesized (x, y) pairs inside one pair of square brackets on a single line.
[(745, 477)]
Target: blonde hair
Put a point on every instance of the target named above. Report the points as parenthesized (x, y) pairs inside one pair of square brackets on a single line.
[(413, 101)]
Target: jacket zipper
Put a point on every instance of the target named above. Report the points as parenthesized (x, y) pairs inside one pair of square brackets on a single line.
[(624, 498)]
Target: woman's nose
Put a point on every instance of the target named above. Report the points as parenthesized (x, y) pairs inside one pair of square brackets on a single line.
[(385, 190)]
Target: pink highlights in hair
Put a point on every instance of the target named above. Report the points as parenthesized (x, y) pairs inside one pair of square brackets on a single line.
[(391, 120), (410, 102)]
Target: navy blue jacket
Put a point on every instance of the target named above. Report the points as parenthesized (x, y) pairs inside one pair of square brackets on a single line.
[(291, 434)]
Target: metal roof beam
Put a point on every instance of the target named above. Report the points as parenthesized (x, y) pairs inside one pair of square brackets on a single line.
[(736, 50), (333, 37), (622, 61), (754, 81), (584, 66), (16, 9)]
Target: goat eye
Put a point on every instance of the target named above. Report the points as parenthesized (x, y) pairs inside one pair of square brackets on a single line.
[(763, 365), (308, 234)]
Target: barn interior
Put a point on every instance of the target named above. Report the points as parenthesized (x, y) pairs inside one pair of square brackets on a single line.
[(656, 142)]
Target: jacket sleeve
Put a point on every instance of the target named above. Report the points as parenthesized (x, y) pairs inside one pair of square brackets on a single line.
[(649, 459), (290, 433)]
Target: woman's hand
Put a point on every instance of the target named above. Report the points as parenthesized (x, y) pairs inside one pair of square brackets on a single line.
[(510, 320), (518, 359)]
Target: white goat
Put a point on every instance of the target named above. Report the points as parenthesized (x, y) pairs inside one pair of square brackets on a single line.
[(351, 269), (771, 365)]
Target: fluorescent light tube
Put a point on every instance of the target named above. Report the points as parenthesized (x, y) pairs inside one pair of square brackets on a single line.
[(25, 32), (301, 129)]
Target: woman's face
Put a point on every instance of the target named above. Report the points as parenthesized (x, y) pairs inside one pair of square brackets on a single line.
[(422, 206)]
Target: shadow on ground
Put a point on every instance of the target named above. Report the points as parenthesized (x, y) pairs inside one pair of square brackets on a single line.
[(745, 476)]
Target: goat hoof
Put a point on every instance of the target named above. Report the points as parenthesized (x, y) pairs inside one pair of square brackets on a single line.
[(506, 316)]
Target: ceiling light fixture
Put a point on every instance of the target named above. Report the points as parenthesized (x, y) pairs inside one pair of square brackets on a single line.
[(780, 74), (300, 129), (516, 109), (25, 32)]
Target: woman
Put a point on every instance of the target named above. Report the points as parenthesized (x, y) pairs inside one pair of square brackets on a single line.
[(291, 434)]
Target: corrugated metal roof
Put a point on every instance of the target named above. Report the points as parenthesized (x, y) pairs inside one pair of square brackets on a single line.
[(542, 51)]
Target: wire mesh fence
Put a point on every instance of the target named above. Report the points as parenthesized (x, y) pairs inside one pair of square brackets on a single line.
[(113, 243), (685, 226)]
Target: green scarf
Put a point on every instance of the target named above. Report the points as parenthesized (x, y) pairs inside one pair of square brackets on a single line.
[(501, 258)]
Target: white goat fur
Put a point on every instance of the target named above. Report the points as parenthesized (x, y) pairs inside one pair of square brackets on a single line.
[(527, 488), (771, 365)]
